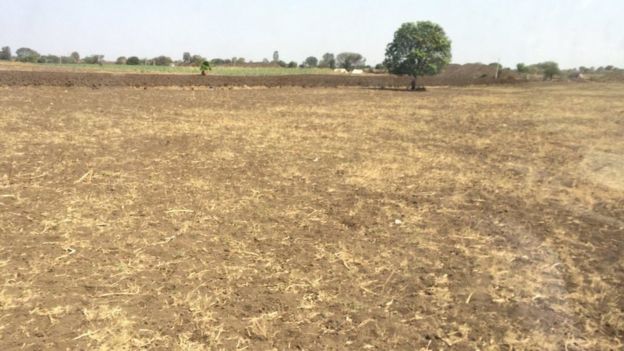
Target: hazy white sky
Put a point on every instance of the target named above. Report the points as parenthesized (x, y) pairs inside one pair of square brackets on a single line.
[(571, 32)]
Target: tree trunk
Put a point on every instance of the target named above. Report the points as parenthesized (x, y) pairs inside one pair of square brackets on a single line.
[(203, 73), (413, 83)]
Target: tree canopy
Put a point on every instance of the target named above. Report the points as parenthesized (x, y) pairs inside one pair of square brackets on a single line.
[(94, 59), (75, 56), (27, 55), (550, 69), (311, 61), (133, 60), (418, 49), (162, 60), (205, 66), (197, 60), (350, 60), (522, 68), (328, 60), (5, 54)]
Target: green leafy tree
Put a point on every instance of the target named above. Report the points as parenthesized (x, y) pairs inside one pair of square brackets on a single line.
[(292, 64), (328, 60), (549, 69), (121, 60), (350, 60), (27, 55), (162, 61), (75, 57), (522, 68), (186, 58), (276, 56), (5, 54), (94, 59), (133, 60), (418, 49), (311, 62), (205, 66)]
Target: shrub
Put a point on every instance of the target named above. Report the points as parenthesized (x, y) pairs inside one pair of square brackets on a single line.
[(522, 68), (549, 69), (49, 59), (205, 66), (133, 60), (162, 61), (93, 59)]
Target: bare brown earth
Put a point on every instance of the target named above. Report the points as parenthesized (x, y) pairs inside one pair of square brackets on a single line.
[(487, 218), (37, 75), (83, 79)]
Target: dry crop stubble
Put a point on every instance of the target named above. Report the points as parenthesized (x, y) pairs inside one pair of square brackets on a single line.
[(459, 218)]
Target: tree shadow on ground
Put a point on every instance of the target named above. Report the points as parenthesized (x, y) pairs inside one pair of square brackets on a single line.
[(406, 89)]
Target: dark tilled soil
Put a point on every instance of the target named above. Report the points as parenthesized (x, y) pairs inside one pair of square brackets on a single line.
[(473, 218), (84, 79)]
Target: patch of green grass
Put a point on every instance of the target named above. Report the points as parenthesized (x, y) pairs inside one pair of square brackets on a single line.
[(265, 71), (217, 70)]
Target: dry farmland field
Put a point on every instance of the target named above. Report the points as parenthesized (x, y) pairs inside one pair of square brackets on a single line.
[(487, 218)]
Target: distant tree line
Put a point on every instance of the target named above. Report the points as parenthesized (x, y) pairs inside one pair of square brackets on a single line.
[(600, 69), (346, 60), (548, 69), (32, 56)]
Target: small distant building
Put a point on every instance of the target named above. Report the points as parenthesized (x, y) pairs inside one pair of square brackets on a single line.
[(340, 70), (357, 71)]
